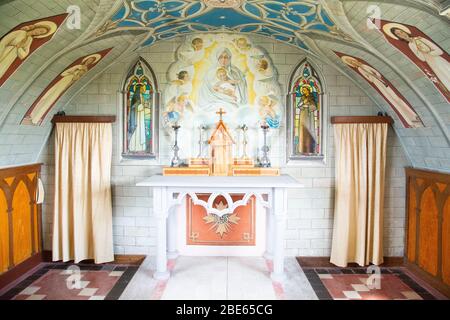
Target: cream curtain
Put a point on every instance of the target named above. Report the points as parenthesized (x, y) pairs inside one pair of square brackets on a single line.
[(82, 226), (359, 195)]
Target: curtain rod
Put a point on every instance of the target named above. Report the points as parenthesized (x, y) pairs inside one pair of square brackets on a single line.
[(361, 119), (86, 119)]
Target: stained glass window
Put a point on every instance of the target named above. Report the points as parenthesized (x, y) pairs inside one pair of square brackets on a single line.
[(139, 112), (306, 105)]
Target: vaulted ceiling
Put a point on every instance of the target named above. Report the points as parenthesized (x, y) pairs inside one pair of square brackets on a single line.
[(316, 27)]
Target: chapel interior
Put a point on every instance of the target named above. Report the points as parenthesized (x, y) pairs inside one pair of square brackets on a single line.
[(224, 149)]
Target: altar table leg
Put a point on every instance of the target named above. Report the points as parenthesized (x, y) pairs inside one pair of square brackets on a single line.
[(161, 214), (278, 255), (268, 254), (161, 255), (279, 219), (172, 252)]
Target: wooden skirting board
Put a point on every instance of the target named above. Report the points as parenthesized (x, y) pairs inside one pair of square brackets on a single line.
[(131, 259), (19, 270), (324, 262), (431, 280)]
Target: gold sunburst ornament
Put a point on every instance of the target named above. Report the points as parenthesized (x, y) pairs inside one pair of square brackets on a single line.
[(221, 224)]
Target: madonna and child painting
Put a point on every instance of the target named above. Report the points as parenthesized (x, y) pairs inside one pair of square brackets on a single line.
[(222, 71)]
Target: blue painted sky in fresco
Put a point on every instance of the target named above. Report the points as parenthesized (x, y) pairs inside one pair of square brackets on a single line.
[(278, 19)]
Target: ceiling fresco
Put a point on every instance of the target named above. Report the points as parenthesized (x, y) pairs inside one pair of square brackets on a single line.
[(413, 59), (283, 20)]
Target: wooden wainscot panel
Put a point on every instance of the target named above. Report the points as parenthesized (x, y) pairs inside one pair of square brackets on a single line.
[(446, 242), (428, 232), (428, 225), (20, 236)]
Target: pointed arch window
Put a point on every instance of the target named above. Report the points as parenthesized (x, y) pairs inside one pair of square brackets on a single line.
[(140, 112), (305, 123)]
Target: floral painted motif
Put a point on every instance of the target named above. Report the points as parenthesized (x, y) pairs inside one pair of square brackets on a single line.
[(278, 19)]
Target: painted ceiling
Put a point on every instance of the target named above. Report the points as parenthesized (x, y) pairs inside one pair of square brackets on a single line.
[(282, 20), (318, 28)]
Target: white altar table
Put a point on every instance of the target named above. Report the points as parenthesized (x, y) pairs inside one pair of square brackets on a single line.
[(270, 192)]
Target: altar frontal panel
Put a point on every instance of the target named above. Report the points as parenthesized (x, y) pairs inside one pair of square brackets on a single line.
[(236, 229)]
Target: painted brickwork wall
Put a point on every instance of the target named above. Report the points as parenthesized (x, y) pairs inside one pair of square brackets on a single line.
[(310, 212)]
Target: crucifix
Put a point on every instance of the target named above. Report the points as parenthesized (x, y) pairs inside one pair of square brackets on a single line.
[(221, 113)]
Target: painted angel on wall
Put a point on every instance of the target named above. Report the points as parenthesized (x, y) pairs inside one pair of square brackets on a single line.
[(37, 112), (393, 97), (18, 44), (423, 51)]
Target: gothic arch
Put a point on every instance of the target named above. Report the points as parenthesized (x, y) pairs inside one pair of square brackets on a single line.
[(306, 114), (140, 112)]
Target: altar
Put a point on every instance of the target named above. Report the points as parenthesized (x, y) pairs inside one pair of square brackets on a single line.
[(169, 192)]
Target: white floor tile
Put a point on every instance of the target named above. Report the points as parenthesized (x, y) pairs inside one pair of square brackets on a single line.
[(198, 278), (219, 278), (352, 294), (296, 286), (142, 285), (36, 297), (88, 292), (249, 279), (30, 290)]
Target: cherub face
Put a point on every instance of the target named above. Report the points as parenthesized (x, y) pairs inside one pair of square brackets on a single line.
[(181, 100), (264, 101), (183, 75), (263, 65), (242, 43), (197, 44)]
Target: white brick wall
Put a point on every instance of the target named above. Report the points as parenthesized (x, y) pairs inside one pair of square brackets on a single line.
[(310, 211)]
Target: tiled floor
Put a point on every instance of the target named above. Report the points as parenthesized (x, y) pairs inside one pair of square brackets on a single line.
[(358, 284), (214, 278), (64, 281)]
